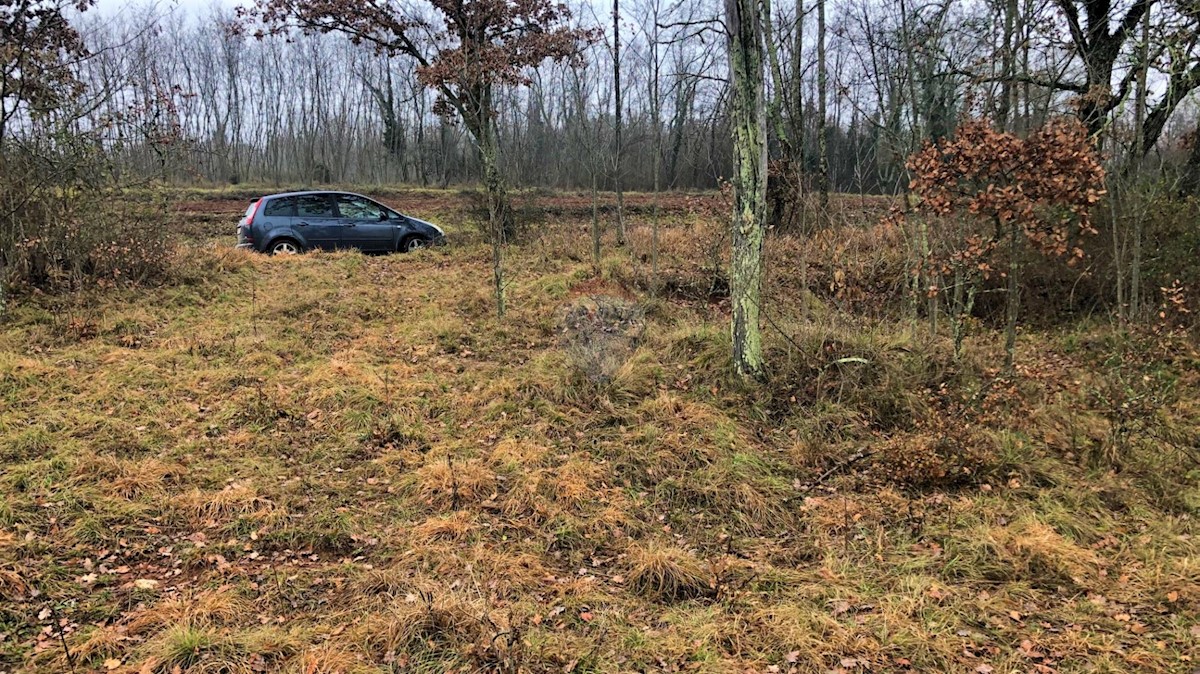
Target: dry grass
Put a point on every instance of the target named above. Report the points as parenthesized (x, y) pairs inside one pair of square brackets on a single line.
[(344, 463), (668, 573)]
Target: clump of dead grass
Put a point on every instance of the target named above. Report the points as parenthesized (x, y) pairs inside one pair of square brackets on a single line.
[(129, 478), (668, 573), (235, 500), (455, 526), (195, 607), (444, 482), (1037, 553), (434, 623), (12, 585)]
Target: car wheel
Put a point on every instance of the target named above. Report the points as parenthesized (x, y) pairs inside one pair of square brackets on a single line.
[(285, 247), (413, 243)]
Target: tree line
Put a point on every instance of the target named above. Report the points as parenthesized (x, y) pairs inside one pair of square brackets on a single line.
[(851, 90)]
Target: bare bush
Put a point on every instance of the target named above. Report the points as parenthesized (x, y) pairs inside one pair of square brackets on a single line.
[(63, 225)]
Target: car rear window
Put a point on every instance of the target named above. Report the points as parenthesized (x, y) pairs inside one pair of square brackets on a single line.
[(284, 206), (314, 206), (250, 208)]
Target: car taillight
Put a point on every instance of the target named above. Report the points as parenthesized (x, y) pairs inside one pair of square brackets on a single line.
[(253, 212)]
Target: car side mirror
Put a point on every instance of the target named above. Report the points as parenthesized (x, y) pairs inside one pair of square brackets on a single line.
[(383, 216)]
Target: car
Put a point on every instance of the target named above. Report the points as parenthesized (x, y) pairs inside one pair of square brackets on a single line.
[(294, 222)]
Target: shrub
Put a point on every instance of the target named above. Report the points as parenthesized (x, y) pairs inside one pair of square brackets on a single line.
[(984, 188), (64, 225)]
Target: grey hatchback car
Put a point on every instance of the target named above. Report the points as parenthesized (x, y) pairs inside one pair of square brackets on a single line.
[(293, 222)]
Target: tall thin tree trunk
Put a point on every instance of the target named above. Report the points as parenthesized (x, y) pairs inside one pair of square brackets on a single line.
[(617, 122), (750, 194), (656, 122), (1190, 183), (774, 104), (797, 87), (798, 134), (1013, 304), (822, 125), (497, 203), (1008, 66), (1139, 153), (595, 225)]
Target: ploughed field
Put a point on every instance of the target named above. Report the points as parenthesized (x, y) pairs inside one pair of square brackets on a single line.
[(342, 463)]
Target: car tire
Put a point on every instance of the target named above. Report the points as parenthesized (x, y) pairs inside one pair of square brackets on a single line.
[(285, 247), (413, 243)]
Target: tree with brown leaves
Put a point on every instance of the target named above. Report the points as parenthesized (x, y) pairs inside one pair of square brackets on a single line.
[(1036, 191)]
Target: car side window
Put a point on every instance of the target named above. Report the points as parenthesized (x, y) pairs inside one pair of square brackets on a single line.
[(358, 208), (283, 207), (314, 206)]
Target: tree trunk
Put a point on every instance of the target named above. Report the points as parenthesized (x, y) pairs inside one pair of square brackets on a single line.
[(617, 122), (1008, 66), (1013, 304), (595, 226), (750, 181), (1190, 183), (499, 219), (656, 168), (797, 89), (775, 104), (822, 125), (1140, 103)]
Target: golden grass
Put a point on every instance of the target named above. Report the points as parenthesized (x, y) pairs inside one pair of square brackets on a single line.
[(445, 483), (668, 573), (207, 507), (346, 463)]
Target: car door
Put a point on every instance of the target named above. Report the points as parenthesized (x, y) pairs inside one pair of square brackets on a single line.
[(316, 221), (365, 224)]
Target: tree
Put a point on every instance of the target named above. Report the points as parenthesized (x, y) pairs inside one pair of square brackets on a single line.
[(822, 119), (1098, 35), (471, 49), (1036, 191), (744, 29), (37, 48), (616, 54), (465, 53)]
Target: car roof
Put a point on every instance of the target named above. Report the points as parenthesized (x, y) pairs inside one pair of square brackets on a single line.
[(301, 193)]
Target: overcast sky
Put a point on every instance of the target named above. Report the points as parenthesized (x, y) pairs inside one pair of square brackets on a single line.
[(109, 7)]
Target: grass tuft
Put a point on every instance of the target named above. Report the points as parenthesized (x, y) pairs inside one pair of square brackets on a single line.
[(668, 573)]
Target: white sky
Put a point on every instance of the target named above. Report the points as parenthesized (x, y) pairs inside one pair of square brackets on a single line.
[(111, 7)]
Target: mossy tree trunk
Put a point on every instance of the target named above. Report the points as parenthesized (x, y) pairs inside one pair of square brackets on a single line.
[(744, 26)]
